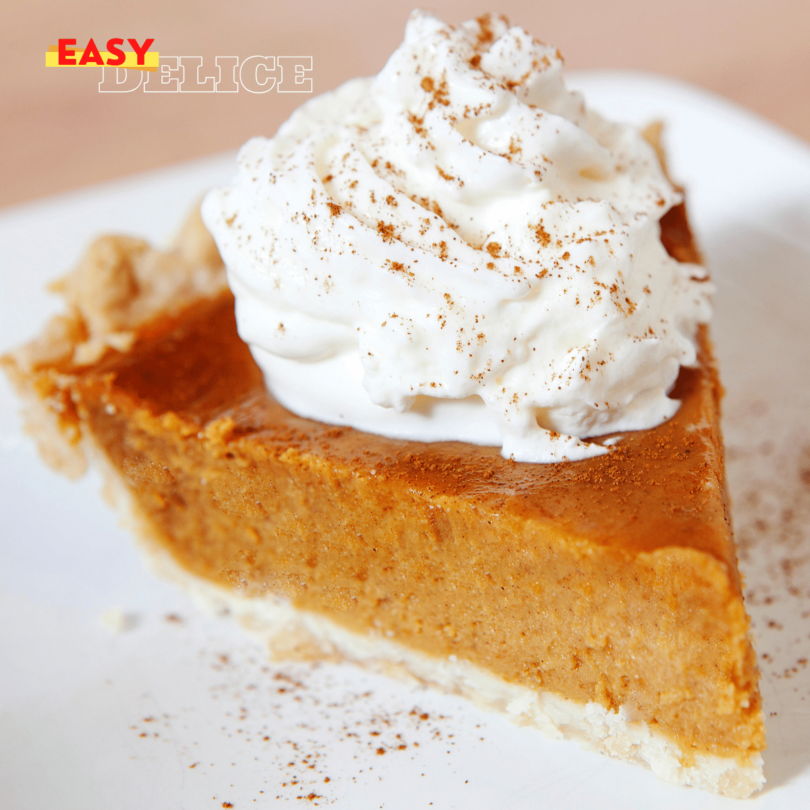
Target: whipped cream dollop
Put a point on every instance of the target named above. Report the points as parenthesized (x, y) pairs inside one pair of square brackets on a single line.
[(458, 249)]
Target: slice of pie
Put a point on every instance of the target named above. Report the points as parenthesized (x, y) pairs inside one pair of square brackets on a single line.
[(598, 600)]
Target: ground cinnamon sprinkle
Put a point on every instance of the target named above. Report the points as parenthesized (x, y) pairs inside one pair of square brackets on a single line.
[(287, 721), (399, 267), (486, 34), (449, 177), (543, 236), (770, 484), (386, 230), (440, 92)]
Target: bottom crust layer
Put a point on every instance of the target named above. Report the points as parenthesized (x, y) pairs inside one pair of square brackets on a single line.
[(290, 633)]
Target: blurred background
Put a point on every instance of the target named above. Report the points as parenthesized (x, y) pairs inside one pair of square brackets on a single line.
[(59, 132)]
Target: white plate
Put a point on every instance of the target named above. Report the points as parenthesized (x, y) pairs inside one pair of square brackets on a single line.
[(188, 714)]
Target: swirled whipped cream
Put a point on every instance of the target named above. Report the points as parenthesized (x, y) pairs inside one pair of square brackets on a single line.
[(458, 249)]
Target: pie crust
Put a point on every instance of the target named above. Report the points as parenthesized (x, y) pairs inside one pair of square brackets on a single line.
[(598, 600)]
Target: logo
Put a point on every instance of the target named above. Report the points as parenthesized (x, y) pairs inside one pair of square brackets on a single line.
[(126, 71)]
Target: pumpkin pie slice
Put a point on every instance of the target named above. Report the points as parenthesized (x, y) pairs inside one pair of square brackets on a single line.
[(597, 600)]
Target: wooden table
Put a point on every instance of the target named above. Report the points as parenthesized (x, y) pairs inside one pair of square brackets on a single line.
[(59, 132)]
